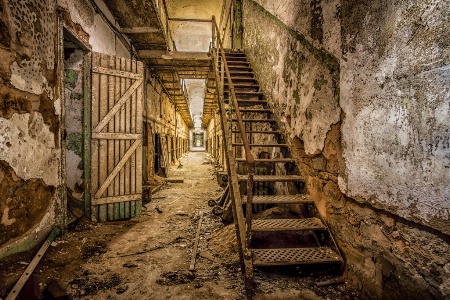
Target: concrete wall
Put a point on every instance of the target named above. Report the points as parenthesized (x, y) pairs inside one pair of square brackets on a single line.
[(362, 92), (215, 141), (160, 119), (31, 124)]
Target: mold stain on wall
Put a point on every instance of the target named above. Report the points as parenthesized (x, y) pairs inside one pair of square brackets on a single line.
[(29, 125), (74, 110), (390, 221)]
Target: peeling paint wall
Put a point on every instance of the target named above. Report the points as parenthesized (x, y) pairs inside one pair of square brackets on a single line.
[(395, 94), (74, 111), (99, 35), (396, 98), (29, 123), (31, 111), (299, 79), (363, 91)]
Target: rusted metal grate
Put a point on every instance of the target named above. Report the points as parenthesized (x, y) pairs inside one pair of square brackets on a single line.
[(287, 224), (272, 178), (294, 256), (280, 199)]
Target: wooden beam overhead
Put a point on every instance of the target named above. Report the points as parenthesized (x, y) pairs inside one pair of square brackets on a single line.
[(135, 30), (176, 55)]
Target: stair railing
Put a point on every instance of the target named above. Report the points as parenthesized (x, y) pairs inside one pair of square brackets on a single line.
[(243, 224)]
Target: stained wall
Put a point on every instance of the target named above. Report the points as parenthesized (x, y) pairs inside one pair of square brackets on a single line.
[(361, 91), (31, 115), (162, 120)]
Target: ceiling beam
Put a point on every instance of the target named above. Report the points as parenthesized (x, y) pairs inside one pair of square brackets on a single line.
[(135, 30), (177, 55)]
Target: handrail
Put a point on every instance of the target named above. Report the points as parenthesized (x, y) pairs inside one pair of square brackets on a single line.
[(243, 232), (248, 155)]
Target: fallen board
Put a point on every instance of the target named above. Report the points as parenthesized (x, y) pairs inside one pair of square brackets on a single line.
[(29, 270), (175, 179), (197, 237)]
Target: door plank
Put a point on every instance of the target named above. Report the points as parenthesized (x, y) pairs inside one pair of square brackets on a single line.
[(116, 136), (95, 143), (116, 73), (126, 65), (117, 168), (116, 107), (103, 147), (111, 103)]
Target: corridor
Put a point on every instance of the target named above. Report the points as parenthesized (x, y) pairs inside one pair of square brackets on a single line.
[(149, 257), (303, 147)]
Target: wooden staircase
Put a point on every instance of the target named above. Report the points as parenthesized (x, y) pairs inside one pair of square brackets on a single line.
[(303, 237)]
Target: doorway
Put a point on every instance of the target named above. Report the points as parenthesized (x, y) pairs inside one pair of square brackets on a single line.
[(76, 82)]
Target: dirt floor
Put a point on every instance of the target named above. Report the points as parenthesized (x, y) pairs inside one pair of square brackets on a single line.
[(148, 257)]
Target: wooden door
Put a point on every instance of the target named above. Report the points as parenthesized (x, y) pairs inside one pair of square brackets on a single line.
[(116, 160)]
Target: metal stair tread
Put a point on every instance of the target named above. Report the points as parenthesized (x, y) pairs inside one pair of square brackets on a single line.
[(268, 160), (259, 131), (272, 178), (256, 110), (261, 145), (246, 93), (279, 199), (231, 62), (294, 256), (252, 101), (287, 224), (242, 78), (256, 120)]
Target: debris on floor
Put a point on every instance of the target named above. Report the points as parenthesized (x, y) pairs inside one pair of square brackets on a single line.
[(148, 257)]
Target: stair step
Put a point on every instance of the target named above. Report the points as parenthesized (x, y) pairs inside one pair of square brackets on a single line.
[(243, 79), (234, 54), (269, 160), (287, 224), (257, 120), (241, 73), (258, 131), (249, 102), (242, 85), (246, 94), (279, 199), (294, 256), (261, 145), (272, 178), (256, 110), (231, 62), (234, 68)]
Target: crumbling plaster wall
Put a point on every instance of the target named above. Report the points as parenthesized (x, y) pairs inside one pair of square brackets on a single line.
[(395, 94), (30, 112), (29, 123), (299, 79), (372, 135), (215, 140), (100, 36)]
